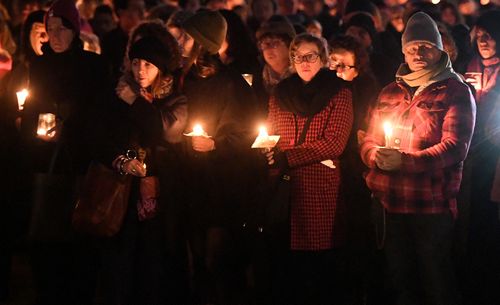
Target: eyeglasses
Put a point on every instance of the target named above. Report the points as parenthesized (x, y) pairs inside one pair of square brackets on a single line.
[(335, 65), (483, 37), (310, 58), (269, 44)]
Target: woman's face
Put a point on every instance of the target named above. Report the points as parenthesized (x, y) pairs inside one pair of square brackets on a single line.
[(486, 45), (275, 53), (60, 37), (38, 36), (448, 17), (307, 61), (144, 72), (343, 62)]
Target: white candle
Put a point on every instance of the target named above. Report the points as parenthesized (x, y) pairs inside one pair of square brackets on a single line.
[(21, 98), (388, 134)]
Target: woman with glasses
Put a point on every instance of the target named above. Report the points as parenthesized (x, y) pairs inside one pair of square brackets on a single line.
[(350, 61), (312, 112), (273, 40)]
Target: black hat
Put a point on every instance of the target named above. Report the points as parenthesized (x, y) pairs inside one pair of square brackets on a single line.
[(364, 21), (152, 50)]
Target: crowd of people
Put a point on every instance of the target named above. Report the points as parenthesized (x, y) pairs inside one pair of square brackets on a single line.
[(383, 188)]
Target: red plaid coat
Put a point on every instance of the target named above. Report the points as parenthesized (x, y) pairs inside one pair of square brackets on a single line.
[(434, 131), (315, 187)]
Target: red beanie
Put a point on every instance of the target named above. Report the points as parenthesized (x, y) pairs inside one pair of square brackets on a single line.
[(65, 9)]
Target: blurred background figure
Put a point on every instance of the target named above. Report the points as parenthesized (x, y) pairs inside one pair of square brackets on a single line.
[(273, 40), (103, 20), (238, 50), (484, 229), (351, 62), (114, 43)]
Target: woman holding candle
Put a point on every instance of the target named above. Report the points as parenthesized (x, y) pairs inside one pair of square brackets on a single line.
[(222, 103), (314, 103), (143, 139), (70, 84)]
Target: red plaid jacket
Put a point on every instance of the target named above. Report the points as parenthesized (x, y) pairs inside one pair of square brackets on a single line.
[(433, 130), (315, 187)]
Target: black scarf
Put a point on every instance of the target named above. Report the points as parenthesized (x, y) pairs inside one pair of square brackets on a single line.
[(306, 99)]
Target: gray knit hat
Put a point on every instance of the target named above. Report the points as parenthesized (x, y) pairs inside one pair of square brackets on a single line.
[(421, 28), (208, 28)]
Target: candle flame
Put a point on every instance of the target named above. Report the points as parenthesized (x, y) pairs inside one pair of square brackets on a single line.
[(21, 98), (388, 129), (198, 130), (263, 132)]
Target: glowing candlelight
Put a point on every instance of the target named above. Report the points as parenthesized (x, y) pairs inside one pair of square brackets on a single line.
[(388, 134), (264, 140), (263, 132), (248, 78), (46, 124), (198, 130), (21, 98)]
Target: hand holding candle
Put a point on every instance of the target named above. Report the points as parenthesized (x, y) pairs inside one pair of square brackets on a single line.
[(197, 132), (201, 141), (264, 140), (21, 98)]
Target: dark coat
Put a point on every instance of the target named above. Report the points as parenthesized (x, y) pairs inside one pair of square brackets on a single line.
[(71, 85), (224, 105)]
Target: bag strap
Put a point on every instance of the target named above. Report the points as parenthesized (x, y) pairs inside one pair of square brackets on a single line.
[(303, 134)]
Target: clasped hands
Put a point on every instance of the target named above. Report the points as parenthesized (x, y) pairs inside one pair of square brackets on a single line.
[(134, 167), (202, 143), (388, 159)]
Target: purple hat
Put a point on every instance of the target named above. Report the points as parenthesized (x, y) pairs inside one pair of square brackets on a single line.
[(65, 9)]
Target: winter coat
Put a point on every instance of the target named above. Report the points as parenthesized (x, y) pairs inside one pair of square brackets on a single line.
[(433, 130), (316, 209), (224, 105), (72, 85)]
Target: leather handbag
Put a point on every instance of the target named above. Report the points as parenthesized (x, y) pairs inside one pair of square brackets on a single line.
[(103, 201)]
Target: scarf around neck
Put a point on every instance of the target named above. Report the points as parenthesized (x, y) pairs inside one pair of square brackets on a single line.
[(307, 99), (423, 78), (271, 78)]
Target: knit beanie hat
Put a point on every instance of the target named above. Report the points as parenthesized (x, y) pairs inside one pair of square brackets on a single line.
[(65, 9), (208, 28), (490, 22), (364, 21), (280, 28), (154, 51), (421, 28)]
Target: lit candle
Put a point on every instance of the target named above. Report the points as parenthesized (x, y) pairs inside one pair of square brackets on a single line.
[(264, 140), (263, 133), (198, 131), (46, 124), (388, 134), (248, 78), (21, 98)]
